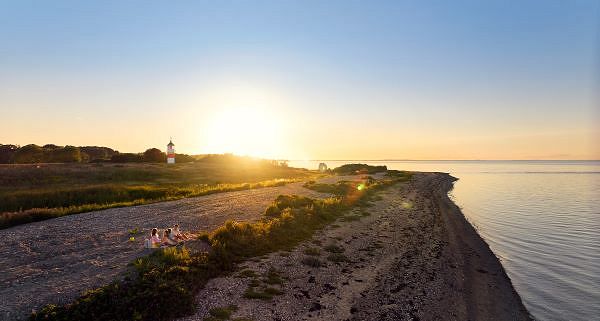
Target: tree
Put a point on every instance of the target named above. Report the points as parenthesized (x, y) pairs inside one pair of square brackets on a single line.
[(29, 154), (98, 153), (7, 152), (154, 155), (67, 154), (127, 158)]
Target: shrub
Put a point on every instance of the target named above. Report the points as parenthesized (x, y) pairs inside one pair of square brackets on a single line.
[(29, 154), (127, 158), (359, 169), (312, 261), (312, 251), (222, 313), (283, 202), (332, 248), (154, 155), (337, 257)]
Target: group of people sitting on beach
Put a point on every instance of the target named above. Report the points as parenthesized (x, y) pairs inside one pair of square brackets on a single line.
[(170, 237)]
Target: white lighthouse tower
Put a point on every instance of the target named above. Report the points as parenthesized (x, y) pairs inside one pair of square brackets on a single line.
[(170, 152)]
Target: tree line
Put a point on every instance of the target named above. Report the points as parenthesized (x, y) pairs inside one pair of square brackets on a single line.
[(50, 153)]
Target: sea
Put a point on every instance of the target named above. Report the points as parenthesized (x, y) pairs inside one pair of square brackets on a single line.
[(540, 218)]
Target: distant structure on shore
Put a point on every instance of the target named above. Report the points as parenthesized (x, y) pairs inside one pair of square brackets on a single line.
[(322, 167), (170, 152)]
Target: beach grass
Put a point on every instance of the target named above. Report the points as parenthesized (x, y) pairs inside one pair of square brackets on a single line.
[(30, 193)]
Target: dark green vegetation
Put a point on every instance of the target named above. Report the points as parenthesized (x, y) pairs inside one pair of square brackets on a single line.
[(313, 251), (50, 153), (162, 286), (217, 314), (264, 288), (337, 257), (351, 169), (340, 188), (36, 192), (312, 262)]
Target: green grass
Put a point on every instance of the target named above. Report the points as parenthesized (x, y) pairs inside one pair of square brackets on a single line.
[(247, 274), (350, 218), (162, 285), (340, 188), (134, 231), (109, 197), (333, 248), (273, 277), (337, 257), (312, 251), (221, 313), (34, 192), (312, 262), (261, 294)]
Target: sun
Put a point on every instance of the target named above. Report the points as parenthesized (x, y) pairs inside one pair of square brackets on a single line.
[(247, 131)]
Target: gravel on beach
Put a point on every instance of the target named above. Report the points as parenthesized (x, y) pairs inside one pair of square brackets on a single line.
[(55, 261), (411, 256)]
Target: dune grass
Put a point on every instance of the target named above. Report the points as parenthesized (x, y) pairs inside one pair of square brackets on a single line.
[(34, 192), (162, 286)]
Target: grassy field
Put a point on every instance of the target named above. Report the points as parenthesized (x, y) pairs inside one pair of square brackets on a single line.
[(35, 192)]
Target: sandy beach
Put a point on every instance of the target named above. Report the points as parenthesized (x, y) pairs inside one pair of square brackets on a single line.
[(412, 256)]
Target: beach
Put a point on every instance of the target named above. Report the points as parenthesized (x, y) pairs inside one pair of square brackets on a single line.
[(411, 256), (55, 261)]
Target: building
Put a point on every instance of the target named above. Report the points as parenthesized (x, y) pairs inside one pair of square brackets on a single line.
[(171, 152), (322, 167)]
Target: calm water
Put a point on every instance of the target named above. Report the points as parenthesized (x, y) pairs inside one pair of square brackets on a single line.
[(541, 218)]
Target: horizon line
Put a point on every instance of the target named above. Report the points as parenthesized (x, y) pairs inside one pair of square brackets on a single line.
[(436, 160)]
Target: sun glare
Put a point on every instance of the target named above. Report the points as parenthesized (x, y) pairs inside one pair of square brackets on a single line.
[(245, 131)]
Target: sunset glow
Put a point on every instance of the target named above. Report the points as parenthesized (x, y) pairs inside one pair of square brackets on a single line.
[(245, 131)]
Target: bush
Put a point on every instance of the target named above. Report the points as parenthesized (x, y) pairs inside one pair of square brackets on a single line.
[(29, 154), (349, 169), (67, 154), (154, 155), (312, 261), (312, 251), (7, 153), (283, 202), (127, 158)]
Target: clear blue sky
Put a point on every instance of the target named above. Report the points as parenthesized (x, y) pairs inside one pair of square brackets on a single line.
[(343, 79)]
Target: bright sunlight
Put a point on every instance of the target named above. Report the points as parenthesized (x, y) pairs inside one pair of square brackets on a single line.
[(245, 131)]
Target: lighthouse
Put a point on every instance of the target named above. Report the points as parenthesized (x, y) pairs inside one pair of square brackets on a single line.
[(170, 152)]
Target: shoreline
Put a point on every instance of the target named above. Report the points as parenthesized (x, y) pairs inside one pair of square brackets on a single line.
[(413, 257), (464, 239)]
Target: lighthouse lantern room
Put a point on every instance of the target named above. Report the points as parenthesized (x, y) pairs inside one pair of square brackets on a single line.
[(171, 152)]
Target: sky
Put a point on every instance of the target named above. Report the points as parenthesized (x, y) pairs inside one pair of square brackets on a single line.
[(305, 79)]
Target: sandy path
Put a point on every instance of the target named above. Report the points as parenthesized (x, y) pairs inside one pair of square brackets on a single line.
[(414, 257), (54, 261)]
